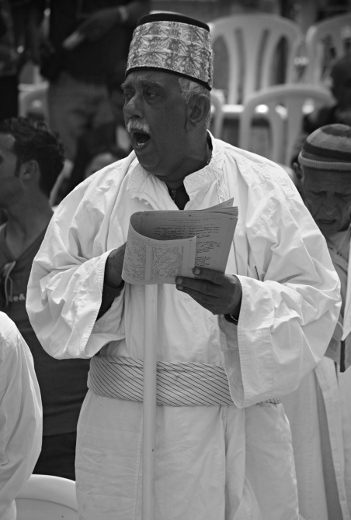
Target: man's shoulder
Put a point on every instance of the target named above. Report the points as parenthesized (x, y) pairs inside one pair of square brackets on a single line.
[(110, 176), (8, 336), (96, 192), (257, 170)]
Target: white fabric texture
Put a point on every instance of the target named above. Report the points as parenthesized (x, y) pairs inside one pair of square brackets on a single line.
[(320, 422), (289, 310), (345, 392), (20, 416), (316, 419)]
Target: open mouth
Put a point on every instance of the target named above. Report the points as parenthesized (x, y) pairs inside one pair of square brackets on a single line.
[(140, 139), (326, 222)]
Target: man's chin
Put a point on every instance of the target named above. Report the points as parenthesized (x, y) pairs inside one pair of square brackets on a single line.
[(328, 230), (145, 162)]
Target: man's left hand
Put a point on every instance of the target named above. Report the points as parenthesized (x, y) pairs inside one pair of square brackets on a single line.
[(218, 293)]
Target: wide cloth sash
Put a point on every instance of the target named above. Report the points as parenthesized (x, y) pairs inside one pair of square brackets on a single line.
[(178, 384)]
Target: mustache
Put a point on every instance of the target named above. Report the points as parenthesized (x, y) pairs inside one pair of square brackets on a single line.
[(135, 125)]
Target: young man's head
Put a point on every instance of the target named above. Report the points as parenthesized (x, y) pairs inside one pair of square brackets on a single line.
[(31, 157), (324, 173)]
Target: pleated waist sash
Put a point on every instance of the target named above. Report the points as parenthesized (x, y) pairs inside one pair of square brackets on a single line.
[(178, 384)]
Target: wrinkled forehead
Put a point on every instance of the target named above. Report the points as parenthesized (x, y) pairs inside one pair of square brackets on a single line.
[(327, 179)]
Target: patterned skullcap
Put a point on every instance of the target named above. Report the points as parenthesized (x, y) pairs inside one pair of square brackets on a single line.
[(328, 148), (172, 43)]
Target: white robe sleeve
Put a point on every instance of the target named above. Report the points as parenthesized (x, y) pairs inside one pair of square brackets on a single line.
[(290, 299), (20, 416), (66, 282)]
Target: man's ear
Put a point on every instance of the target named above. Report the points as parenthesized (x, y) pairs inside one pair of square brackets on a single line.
[(197, 110), (298, 171), (29, 170)]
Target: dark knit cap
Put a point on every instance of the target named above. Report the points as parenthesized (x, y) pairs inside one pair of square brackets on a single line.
[(328, 148)]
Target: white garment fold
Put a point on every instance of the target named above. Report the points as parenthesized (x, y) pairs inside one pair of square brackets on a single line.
[(20, 416)]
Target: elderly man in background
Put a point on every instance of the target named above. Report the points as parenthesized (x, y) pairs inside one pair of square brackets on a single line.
[(320, 430), (262, 325), (20, 416)]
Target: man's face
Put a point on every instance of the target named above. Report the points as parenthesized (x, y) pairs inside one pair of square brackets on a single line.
[(10, 185), (327, 195), (155, 116)]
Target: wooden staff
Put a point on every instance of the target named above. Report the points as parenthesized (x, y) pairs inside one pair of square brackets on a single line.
[(149, 404)]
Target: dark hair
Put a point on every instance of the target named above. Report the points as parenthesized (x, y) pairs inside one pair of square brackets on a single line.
[(33, 140)]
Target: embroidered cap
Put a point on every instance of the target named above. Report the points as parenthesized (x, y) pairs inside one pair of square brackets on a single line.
[(172, 43), (328, 148)]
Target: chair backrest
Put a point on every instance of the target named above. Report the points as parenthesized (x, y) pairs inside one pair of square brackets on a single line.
[(33, 100), (245, 52), (329, 36), (283, 106), (45, 497)]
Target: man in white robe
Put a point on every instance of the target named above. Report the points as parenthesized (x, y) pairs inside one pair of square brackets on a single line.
[(320, 429), (21, 416), (263, 325)]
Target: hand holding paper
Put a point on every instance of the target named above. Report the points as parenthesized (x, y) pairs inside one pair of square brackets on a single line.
[(217, 292)]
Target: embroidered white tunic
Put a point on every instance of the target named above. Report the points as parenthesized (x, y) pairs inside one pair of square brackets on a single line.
[(214, 462), (20, 416)]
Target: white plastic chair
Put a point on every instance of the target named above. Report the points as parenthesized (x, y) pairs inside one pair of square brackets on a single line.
[(283, 107), (217, 100), (45, 497), (245, 48), (331, 34), (33, 99)]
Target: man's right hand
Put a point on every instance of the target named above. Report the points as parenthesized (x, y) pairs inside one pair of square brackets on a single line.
[(113, 268)]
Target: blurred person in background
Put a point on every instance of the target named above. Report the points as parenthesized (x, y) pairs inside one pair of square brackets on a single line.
[(86, 39), (105, 144), (340, 112), (31, 160), (9, 63)]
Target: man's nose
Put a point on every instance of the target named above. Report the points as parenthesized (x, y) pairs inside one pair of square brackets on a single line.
[(330, 206), (329, 210), (133, 107)]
